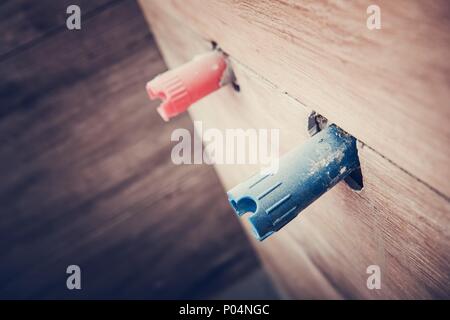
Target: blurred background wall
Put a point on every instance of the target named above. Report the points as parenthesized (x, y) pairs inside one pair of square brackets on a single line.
[(86, 174)]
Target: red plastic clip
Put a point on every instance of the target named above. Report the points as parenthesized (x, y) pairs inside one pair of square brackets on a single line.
[(181, 87)]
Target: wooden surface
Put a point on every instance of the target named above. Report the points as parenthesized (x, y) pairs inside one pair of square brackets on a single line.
[(397, 221), (390, 88), (26, 23), (86, 172)]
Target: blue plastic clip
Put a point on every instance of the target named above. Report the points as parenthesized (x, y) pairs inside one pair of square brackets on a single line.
[(304, 174)]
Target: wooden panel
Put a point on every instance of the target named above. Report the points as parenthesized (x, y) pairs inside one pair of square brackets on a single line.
[(26, 22), (396, 222), (87, 177), (27, 77), (389, 88)]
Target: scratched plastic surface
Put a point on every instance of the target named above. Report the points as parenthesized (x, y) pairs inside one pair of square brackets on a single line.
[(304, 174)]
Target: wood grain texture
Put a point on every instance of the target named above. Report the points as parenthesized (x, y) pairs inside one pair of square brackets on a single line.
[(87, 177), (396, 222), (390, 88), (25, 22), (29, 76)]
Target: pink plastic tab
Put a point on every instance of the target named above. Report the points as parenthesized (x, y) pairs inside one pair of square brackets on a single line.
[(181, 87)]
